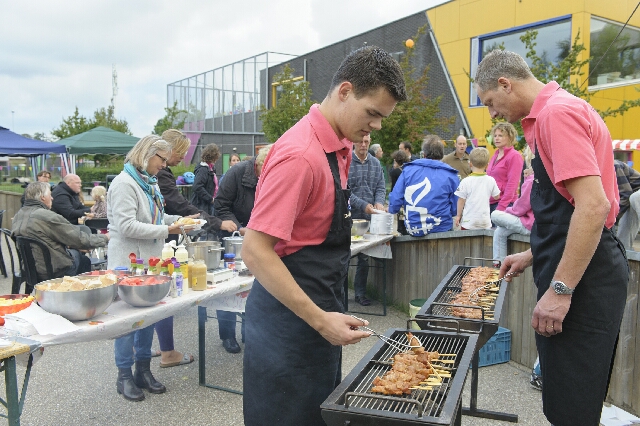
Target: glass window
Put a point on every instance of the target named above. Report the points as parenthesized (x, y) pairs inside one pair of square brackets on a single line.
[(553, 44), (622, 62)]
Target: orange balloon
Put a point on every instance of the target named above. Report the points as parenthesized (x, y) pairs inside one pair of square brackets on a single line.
[(409, 43)]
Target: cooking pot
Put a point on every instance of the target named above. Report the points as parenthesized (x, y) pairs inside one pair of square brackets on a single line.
[(233, 244), (208, 251)]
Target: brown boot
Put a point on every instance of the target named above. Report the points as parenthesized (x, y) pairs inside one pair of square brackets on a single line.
[(145, 380), (127, 387)]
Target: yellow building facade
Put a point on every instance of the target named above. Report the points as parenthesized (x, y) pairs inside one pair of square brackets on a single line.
[(461, 27)]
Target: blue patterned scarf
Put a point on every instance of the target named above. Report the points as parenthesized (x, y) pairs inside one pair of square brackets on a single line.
[(148, 184)]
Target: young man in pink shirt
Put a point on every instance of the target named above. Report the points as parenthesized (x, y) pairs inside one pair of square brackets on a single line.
[(579, 266), (297, 245)]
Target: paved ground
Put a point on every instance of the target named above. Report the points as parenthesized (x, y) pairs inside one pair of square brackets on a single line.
[(75, 384)]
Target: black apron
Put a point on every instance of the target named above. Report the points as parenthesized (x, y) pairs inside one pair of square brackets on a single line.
[(576, 363), (289, 368)]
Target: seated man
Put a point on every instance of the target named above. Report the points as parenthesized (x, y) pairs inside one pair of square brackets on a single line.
[(36, 220), (66, 201), (426, 190)]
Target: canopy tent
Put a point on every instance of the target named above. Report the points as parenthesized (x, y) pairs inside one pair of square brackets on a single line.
[(14, 145), (99, 140), (626, 144)]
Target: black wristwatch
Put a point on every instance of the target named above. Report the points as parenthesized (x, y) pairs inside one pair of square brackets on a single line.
[(561, 288)]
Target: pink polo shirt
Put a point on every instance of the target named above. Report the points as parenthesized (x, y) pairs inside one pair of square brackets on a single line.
[(572, 141), (296, 194)]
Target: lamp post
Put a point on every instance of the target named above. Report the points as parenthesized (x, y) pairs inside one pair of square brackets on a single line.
[(13, 124)]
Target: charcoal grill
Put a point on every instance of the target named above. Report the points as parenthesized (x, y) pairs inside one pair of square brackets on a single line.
[(352, 403), (437, 313)]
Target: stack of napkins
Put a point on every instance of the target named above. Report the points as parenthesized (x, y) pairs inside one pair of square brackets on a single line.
[(35, 320)]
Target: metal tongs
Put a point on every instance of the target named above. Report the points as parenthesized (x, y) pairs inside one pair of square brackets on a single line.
[(473, 295), (393, 343), (500, 279)]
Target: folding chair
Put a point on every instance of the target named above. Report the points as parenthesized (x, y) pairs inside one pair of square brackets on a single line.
[(16, 264), (26, 246)]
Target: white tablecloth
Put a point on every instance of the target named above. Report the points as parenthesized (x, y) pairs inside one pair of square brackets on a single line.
[(373, 245), (121, 318)]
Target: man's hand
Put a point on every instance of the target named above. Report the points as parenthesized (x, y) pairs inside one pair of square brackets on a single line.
[(341, 329), (108, 236), (229, 226), (456, 221), (369, 209), (380, 207), (90, 215), (550, 312), (516, 264), (242, 231)]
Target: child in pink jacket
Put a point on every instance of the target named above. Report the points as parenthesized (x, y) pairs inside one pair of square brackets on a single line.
[(515, 219)]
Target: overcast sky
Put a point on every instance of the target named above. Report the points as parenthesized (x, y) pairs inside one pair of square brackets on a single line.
[(55, 56)]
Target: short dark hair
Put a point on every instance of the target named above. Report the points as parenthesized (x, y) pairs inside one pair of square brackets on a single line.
[(433, 148), (43, 173), (400, 157), (407, 145), (368, 69)]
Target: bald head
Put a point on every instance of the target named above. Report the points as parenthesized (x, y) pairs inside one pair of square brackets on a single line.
[(461, 146), (73, 182)]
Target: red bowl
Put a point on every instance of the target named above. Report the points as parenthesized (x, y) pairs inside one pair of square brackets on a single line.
[(17, 307)]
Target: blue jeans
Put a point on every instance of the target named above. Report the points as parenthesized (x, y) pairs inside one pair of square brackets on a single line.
[(227, 325), (140, 340), (362, 274)]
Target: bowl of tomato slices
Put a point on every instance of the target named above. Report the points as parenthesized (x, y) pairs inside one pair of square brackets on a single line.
[(143, 290)]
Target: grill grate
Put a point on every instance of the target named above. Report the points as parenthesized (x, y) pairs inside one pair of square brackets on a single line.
[(420, 402), (451, 288)]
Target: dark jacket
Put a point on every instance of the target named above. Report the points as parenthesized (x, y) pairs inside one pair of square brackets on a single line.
[(67, 203), (237, 193), (176, 204), (35, 220), (203, 187)]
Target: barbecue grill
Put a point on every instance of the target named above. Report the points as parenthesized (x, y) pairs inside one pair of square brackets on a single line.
[(352, 403), (437, 313), (439, 306)]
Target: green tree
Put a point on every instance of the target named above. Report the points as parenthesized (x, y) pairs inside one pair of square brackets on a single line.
[(72, 125), (76, 123), (293, 103), (418, 115), (42, 137), (105, 117), (174, 118)]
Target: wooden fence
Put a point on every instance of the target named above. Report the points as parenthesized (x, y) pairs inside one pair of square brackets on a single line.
[(9, 201), (420, 264)]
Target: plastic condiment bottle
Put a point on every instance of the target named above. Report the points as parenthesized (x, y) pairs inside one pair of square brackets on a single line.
[(134, 265), (182, 255), (167, 251), (140, 266), (179, 278), (199, 275)]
